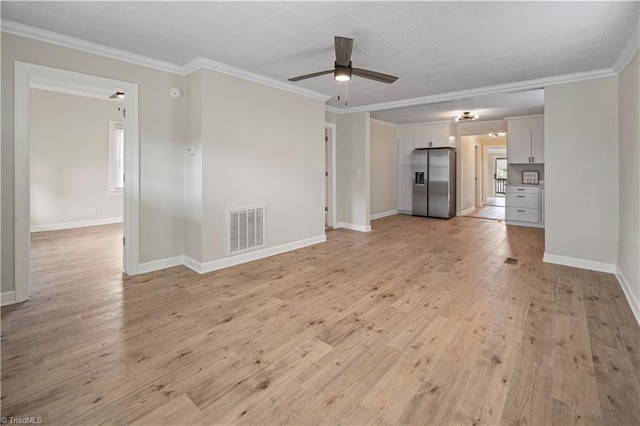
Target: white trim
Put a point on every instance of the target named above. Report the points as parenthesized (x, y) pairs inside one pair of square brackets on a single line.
[(410, 213), (87, 46), (214, 265), (634, 304), (208, 64), (24, 73), (383, 123), (7, 298), (156, 265), (527, 225), (467, 211), (333, 109), (429, 123), (579, 263), (71, 88), (630, 50), (76, 224), (353, 227), (332, 177), (500, 88), (519, 117), (383, 214)]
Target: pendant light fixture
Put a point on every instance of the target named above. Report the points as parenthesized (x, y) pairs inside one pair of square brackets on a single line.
[(466, 116)]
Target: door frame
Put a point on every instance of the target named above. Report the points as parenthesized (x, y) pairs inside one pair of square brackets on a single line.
[(331, 199), (25, 75)]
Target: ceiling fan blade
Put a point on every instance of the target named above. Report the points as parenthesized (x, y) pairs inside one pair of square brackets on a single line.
[(315, 74), (373, 75), (344, 46)]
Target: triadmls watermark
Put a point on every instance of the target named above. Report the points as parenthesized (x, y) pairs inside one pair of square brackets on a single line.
[(24, 420)]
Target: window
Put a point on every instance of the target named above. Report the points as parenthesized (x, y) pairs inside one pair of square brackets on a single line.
[(116, 157)]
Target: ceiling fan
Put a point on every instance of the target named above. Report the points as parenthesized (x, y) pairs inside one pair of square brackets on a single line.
[(343, 69)]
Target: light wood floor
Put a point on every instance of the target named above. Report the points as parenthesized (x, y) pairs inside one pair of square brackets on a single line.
[(488, 212), (418, 322)]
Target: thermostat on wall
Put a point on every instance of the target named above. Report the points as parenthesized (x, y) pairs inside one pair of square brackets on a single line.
[(175, 93)]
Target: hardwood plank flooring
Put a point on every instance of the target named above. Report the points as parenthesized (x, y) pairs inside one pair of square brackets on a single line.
[(488, 212), (418, 322)]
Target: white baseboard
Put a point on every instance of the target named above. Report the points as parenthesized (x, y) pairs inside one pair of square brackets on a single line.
[(353, 227), (77, 224), (226, 262), (467, 211), (405, 212), (631, 298), (156, 265), (579, 263), (527, 225), (383, 214), (7, 298)]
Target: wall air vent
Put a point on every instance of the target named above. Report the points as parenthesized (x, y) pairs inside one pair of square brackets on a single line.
[(246, 228)]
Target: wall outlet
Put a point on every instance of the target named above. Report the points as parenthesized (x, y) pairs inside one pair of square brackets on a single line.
[(94, 211)]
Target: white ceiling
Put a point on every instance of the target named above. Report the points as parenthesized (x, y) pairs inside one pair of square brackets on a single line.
[(434, 47)]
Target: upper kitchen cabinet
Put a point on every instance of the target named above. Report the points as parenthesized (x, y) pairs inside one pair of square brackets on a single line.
[(405, 151), (525, 140), (434, 142)]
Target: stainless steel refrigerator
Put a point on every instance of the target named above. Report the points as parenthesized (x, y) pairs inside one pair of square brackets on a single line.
[(434, 182)]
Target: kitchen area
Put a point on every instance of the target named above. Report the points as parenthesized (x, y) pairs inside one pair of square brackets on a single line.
[(525, 171)]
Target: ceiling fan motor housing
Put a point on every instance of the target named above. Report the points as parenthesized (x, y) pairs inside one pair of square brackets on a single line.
[(342, 73)]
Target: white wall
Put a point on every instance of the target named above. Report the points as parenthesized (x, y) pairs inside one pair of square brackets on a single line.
[(162, 133), (193, 169), (260, 145), (384, 169), (353, 170), (581, 163), (629, 177), (69, 141)]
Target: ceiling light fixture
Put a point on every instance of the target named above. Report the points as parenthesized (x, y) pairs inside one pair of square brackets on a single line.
[(493, 135), (466, 116), (342, 74), (117, 95)]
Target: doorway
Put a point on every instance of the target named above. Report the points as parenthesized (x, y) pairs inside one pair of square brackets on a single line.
[(484, 175), (330, 179), (27, 75)]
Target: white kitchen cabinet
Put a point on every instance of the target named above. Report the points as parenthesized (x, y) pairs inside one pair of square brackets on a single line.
[(523, 204), (405, 150), (433, 142), (525, 146), (405, 189), (537, 146)]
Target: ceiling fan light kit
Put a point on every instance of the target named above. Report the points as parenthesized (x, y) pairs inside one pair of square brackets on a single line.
[(343, 71), (466, 116)]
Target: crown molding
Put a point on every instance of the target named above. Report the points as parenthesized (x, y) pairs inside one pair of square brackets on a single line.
[(333, 109), (519, 117), (630, 50), (211, 65), (501, 88), (383, 123), (122, 55), (87, 46), (427, 123)]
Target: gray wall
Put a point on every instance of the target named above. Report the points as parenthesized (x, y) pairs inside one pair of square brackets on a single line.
[(69, 141), (581, 163), (384, 168), (260, 146), (629, 177), (162, 133), (352, 164)]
